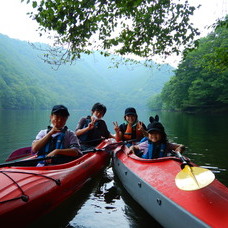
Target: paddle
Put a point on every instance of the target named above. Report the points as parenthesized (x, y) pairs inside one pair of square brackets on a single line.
[(26, 151), (20, 153), (107, 148), (110, 147), (93, 140), (24, 162), (35, 160), (192, 178)]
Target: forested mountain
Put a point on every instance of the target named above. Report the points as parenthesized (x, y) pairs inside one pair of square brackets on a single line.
[(26, 82)]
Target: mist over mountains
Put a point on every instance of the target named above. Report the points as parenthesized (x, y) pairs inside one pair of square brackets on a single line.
[(26, 82)]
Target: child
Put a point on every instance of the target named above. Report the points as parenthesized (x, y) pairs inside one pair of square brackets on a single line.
[(57, 140), (156, 145), (133, 129), (91, 130)]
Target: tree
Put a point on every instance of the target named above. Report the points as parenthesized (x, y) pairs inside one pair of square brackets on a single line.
[(201, 79), (141, 27)]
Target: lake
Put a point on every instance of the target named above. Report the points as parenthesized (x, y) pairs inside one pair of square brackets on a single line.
[(103, 202)]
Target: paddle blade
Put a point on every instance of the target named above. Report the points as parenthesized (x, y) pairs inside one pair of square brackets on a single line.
[(193, 178), (20, 153)]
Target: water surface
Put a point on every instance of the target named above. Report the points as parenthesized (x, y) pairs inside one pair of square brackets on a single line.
[(103, 202)]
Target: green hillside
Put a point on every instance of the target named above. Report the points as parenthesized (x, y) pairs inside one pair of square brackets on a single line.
[(26, 82)]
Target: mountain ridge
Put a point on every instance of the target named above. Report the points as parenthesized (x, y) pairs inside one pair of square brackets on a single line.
[(27, 82)]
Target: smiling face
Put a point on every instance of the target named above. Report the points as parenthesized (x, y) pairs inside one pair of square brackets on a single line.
[(98, 114), (130, 119), (58, 121), (155, 136)]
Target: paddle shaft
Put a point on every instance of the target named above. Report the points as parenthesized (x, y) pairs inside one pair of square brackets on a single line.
[(27, 151), (29, 161), (23, 162), (184, 162), (108, 147), (93, 140)]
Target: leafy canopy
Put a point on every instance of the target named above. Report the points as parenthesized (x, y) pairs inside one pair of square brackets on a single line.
[(141, 27)]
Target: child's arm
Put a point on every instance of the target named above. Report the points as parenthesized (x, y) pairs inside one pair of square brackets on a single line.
[(42, 141), (82, 131), (68, 152)]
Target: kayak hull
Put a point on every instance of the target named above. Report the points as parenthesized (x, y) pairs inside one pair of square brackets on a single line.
[(27, 193), (151, 183)]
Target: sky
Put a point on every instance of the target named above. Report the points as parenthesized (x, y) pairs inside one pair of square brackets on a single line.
[(15, 22)]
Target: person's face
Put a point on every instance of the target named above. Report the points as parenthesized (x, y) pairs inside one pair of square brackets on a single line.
[(155, 136), (58, 121), (130, 119), (98, 114)]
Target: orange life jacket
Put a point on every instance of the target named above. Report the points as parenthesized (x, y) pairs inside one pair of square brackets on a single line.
[(132, 132)]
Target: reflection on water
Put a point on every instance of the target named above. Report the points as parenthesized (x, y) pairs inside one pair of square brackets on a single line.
[(103, 202), (204, 135)]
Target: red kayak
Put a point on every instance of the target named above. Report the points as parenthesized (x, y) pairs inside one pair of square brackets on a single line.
[(27, 193), (151, 182)]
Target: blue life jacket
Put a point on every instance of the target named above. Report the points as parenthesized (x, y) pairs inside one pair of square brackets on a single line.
[(56, 142), (85, 136), (143, 139), (155, 150)]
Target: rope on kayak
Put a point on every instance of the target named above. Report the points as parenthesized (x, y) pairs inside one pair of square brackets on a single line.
[(24, 197)]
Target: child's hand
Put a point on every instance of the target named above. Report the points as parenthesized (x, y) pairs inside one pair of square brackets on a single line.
[(55, 130), (116, 126), (91, 125), (140, 126), (131, 150), (51, 154), (180, 148)]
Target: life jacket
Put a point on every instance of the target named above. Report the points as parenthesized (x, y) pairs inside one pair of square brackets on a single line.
[(155, 150), (92, 134), (132, 132), (84, 137), (56, 142)]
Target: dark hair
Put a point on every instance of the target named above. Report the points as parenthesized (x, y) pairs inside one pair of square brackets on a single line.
[(99, 107)]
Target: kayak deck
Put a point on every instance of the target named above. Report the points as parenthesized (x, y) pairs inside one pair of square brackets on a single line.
[(35, 191), (209, 204)]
